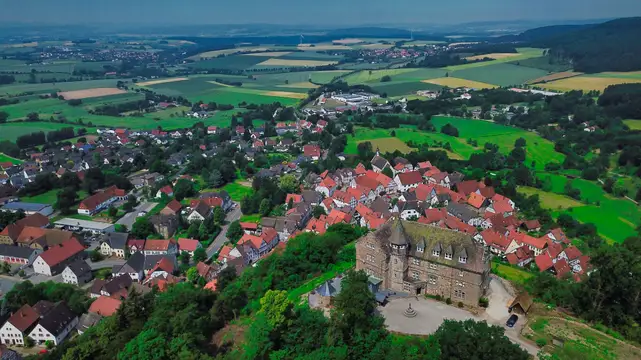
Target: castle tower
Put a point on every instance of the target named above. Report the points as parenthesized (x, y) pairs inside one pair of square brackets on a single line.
[(398, 256)]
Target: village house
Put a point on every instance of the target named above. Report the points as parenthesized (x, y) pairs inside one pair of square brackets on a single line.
[(77, 273), (21, 322), (114, 244), (164, 225), (379, 164), (19, 255), (104, 306), (167, 190), (408, 180), (188, 245), (101, 200), (55, 325), (160, 247), (56, 258)]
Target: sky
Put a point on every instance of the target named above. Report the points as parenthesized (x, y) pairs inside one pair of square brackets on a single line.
[(316, 12)]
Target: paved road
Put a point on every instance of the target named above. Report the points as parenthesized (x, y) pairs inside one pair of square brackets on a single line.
[(218, 242), (107, 263), (6, 284), (129, 218)]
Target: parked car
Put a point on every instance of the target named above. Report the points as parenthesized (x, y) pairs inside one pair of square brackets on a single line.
[(142, 213), (512, 320)]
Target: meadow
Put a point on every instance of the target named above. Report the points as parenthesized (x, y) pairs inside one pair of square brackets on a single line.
[(523, 53), (59, 86), (453, 82), (7, 158), (500, 74), (589, 82), (633, 124), (550, 200), (11, 131)]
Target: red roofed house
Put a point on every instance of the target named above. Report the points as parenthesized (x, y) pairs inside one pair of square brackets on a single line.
[(327, 186), (537, 245), (370, 183), (206, 271), (160, 247), (105, 306), (476, 200), (408, 180), (341, 199), (498, 243), (249, 227), (312, 151), (558, 236), (101, 200), (521, 257), (544, 262), (212, 130), (256, 247), (317, 226), (18, 325), (167, 190), (211, 285), (295, 198), (54, 260), (173, 208), (531, 225), (188, 245)]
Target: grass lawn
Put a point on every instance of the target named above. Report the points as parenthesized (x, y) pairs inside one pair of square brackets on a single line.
[(511, 273), (236, 191), (11, 131), (633, 124), (580, 340), (50, 197), (7, 158), (550, 200), (252, 218)]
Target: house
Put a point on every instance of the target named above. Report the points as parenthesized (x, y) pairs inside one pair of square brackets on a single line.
[(558, 236), (531, 225), (379, 164), (21, 322), (476, 200), (327, 186), (207, 272), (77, 273), (200, 212), (538, 245), (28, 208), (160, 247), (164, 225), (312, 152), (172, 208), (211, 130), (116, 287), (258, 246), (114, 243), (18, 254), (221, 198), (408, 180), (188, 245), (105, 306), (163, 267), (464, 213), (167, 190), (521, 256), (419, 259), (101, 200), (134, 267), (55, 325), (54, 260), (249, 227)]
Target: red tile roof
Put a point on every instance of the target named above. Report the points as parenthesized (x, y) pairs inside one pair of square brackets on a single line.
[(572, 252), (188, 244), (312, 150), (435, 215), (521, 254), (367, 182), (532, 224), (105, 306), (166, 190), (317, 225), (561, 267), (409, 178), (59, 253), (157, 245), (92, 202), (24, 318), (543, 262), (423, 191), (501, 207), (163, 264), (174, 206), (249, 226), (476, 200), (203, 269), (211, 285), (251, 240), (522, 238), (296, 198)]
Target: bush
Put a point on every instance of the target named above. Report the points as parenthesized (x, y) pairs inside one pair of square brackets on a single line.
[(448, 301), (49, 344), (460, 304), (484, 302), (541, 342), (29, 342), (21, 273)]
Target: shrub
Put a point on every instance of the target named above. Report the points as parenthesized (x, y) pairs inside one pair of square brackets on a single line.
[(29, 342), (484, 302), (49, 344), (460, 304), (448, 301), (541, 342)]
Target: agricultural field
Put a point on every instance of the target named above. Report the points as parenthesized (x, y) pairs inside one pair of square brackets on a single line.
[(161, 81), (90, 93), (523, 53), (7, 158), (422, 43), (239, 62), (390, 144), (500, 74), (544, 63), (550, 200), (453, 82), (322, 47), (397, 75), (588, 82), (217, 53), (555, 76), (400, 88), (633, 124), (494, 56)]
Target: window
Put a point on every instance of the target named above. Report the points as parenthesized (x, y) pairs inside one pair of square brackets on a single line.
[(432, 279), (370, 258), (459, 294), (436, 253), (433, 266), (415, 275), (369, 245), (395, 261), (448, 256), (462, 259), (420, 249), (461, 273), (416, 261)]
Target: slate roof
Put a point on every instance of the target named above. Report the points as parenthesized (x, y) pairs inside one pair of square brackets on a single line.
[(79, 267), (21, 252), (116, 240), (57, 319)]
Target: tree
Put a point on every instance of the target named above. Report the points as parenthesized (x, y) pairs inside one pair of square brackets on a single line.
[(130, 203), (5, 267), (193, 275), (276, 307), (142, 228), (192, 231), (183, 189), (219, 216), (388, 172), (65, 199), (215, 179), (112, 212), (184, 257), (265, 207), (288, 183), (318, 211), (200, 254), (386, 78), (520, 142), (234, 231), (3, 117), (449, 129), (476, 340), (95, 255)]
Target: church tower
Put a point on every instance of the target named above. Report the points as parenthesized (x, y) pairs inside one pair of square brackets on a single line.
[(399, 246)]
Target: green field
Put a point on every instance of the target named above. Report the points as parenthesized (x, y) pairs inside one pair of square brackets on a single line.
[(49, 197), (237, 191), (511, 273), (7, 158), (543, 63), (237, 62), (501, 74), (549, 200), (59, 86), (399, 88), (633, 124), (11, 131), (524, 53), (398, 75)]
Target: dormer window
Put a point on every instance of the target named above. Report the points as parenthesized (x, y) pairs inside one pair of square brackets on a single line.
[(436, 253), (448, 256), (420, 249), (462, 259)]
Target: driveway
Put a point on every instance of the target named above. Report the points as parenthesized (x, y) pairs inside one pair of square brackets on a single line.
[(218, 242), (130, 218)]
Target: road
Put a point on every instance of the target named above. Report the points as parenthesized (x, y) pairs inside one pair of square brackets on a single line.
[(130, 218), (218, 242), (107, 263)]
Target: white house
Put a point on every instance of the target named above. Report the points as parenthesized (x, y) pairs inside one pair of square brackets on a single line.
[(114, 244), (19, 325), (77, 273), (54, 260), (408, 180), (55, 325)]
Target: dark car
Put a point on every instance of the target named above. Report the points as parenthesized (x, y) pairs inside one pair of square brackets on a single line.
[(512, 320)]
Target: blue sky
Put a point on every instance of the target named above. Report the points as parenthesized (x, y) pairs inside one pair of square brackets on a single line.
[(317, 12)]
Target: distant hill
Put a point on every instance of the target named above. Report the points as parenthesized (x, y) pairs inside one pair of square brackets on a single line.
[(612, 46), (542, 33)]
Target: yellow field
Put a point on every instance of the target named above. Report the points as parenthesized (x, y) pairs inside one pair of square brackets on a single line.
[(286, 94), (456, 83), (492, 56), (555, 76), (89, 93), (587, 83), (308, 47), (270, 54), (376, 46), (284, 62), (347, 41), (161, 81), (216, 53), (633, 124), (301, 85), (219, 84)]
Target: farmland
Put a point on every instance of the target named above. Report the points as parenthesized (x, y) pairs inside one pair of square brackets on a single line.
[(11, 131), (455, 83), (555, 76), (494, 56), (523, 53), (7, 158), (550, 200), (588, 82), (390, 144), (633, 124), (90, 93), (295, 63), (500, 74)]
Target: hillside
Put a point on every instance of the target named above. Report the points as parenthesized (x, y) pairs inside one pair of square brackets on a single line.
[(611, 46)]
